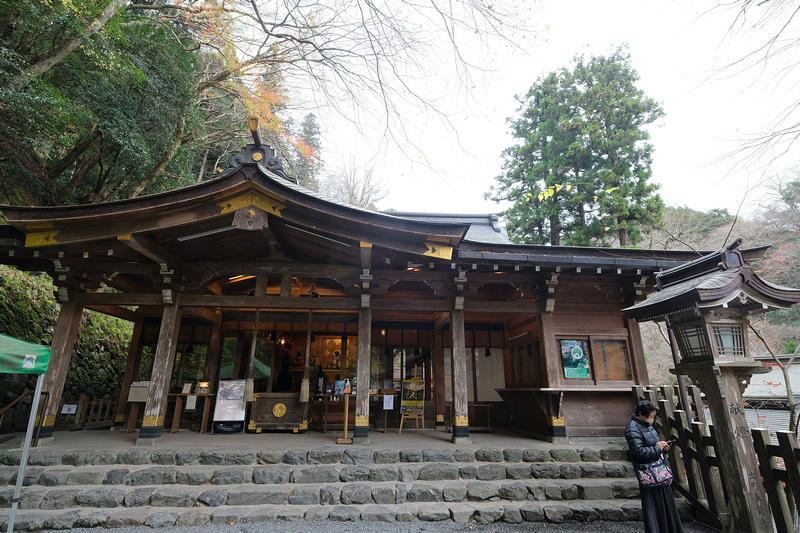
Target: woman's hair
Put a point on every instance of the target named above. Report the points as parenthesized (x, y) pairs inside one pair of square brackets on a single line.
[(645, 408)]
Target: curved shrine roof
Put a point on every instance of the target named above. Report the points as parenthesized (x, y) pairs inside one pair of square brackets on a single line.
[(253, 214)]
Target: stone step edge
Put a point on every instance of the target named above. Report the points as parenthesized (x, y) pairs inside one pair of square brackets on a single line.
[(479, 512), (278, 474), (250, 456), (365, 493)]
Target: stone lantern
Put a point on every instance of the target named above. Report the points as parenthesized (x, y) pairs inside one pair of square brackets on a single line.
[(705, 304)]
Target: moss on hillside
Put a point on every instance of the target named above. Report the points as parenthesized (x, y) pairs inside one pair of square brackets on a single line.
[(28, 311)]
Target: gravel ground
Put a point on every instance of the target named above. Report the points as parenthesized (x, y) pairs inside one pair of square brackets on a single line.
[(412, 527)]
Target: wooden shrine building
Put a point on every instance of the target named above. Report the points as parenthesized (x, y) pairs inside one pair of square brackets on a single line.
[(249, 275)]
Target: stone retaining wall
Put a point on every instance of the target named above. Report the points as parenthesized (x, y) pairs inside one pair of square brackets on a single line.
[(189, 487)]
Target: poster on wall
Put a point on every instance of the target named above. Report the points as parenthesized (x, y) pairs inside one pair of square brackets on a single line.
[(412, 399), (230, 405), (575, 358)]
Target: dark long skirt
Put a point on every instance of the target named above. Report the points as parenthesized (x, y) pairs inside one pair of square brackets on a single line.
[(659, 513)]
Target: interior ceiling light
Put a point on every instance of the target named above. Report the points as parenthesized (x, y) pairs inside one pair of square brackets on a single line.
[(237, 279)]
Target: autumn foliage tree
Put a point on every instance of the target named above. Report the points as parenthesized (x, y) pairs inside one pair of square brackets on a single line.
[(579, 172), (110, 99)]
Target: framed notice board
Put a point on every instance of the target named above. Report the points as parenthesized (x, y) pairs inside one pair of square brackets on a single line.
[(230, 405), (412, 398)]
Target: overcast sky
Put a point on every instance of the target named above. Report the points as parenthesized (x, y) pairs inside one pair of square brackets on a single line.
[(678, 50)]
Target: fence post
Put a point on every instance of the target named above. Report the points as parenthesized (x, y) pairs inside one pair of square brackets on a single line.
[(787, 443), (80, 412), (776, 497), (696, 398)]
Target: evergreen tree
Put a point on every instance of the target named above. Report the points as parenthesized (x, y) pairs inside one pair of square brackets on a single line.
[(308, 161), (579, 172)]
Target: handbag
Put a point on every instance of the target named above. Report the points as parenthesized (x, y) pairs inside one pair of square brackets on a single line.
[(655, 474)]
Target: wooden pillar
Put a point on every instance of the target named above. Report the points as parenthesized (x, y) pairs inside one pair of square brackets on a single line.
[(131, 367), (236, 373), (639, 364), (211, 371), (69, 320), (556, 426), (361, 430), (164, 359), (460, 391), (439, 379)]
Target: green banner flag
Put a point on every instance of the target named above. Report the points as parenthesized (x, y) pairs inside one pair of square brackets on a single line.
[(20, 357)]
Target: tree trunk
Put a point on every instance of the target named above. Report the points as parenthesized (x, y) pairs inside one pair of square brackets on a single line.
[(85, 163), (555, 230), (75, 152), (165, 160), (624, 236)]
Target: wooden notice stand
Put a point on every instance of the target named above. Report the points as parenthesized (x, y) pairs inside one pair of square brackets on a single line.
[(412, 401), (177, 414), (413, 416), (344, 439)]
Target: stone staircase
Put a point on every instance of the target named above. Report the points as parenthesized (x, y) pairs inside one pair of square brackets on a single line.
[(66, 489)]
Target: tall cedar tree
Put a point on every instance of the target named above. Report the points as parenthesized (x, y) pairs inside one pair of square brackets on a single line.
[(579, 173)]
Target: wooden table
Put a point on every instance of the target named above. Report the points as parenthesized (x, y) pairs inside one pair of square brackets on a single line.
[(327, 399), (178, 412)]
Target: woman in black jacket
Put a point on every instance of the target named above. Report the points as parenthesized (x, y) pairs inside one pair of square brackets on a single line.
[(658, 505)]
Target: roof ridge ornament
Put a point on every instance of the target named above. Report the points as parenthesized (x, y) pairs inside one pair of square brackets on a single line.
[(259, 153)]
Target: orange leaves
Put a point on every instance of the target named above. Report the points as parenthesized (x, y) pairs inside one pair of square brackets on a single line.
[(306, 150), (261, 101)]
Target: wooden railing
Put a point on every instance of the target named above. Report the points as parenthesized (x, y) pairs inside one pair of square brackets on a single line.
[(780, 467), (695, 463), (90, 413)]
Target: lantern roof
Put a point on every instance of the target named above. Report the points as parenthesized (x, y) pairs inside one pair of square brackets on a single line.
[(722, 279)]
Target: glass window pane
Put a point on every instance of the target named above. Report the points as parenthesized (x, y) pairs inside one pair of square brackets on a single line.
[(575, 358), (692, 341), (611, 360), (728, 340)]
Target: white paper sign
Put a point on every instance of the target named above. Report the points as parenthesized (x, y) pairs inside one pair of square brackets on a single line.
[(191, 403), (69, 409), (388, 402)]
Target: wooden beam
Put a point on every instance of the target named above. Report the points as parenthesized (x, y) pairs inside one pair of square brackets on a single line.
[(235, 268), (441, 320), (152, 250), (271, 302), (116, 311), (303, 303)]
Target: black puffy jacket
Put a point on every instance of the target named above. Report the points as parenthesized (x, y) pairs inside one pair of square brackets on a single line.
[(642, 439)]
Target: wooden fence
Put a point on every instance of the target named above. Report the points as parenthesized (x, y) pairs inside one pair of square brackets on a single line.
[(89, 414), (695, 463)]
